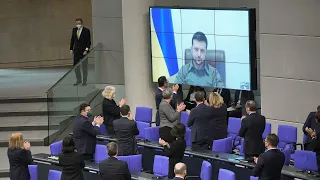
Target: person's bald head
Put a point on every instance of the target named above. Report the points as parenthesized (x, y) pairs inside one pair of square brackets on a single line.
[(180, 169)]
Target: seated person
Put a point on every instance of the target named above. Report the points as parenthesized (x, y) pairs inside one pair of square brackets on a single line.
[(126, 131), (112, 168), (72, 162), (225, 93), (240, 99), (175, 150), (190, 101), (198, 71), (270, 163), (311, 129), (180, 171)]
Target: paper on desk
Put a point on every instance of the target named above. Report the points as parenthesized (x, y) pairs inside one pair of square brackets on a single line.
[(231, 108)]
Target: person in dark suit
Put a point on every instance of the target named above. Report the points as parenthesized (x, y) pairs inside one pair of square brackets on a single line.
[(251, 130), (112, 168), (19, 156), (126, 131), (180, 171), (175, 150), (190, 100), (311, 129), (163, 84), (225, 93), (85, 132), (110, 109), (79, 47), (240, 99), (199, 119), (270, 163), (218, 119), (72, 162)]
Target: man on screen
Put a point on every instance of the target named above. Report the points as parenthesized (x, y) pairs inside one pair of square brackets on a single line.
[(198, 72)]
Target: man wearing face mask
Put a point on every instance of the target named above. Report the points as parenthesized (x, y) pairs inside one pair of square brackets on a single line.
[(85, 132), (79, 47)]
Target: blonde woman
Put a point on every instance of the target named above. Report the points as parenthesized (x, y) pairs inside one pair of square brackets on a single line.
[(110, 109), (219, 119), (19, 156)]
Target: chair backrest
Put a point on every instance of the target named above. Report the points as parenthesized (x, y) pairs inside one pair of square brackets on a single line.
[(287, 154), (226, 175), (215, 58), (234, 125), (141, 126), (54, 175), (254, 178), (143, 114), (33, 171), (287, 135), (160, 165), (100, 153), (187, 137), (267, 130), (134, 162), (184, 118), (222, 145), (56, 148), (206, 171), (152, 133), (305, 160), (103, 129)]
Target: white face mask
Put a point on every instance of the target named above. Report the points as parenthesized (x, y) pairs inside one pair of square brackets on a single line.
[(78, 26)]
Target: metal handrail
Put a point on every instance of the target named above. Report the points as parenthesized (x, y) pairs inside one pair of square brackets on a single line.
[(78, 64)]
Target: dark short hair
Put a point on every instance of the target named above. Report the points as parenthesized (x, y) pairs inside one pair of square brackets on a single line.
[(112, 149), (251, 105), (79, 19), (200, 36), (124, 110), (199, 96), (83, 106), (272, 139), (178, 130), (68, 145), (162, 80)]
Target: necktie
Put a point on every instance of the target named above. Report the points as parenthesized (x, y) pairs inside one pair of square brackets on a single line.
[(78, 33)]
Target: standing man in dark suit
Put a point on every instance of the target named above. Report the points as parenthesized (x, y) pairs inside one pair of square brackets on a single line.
[(270, 163), (240, 99), (251, 130), (180, 171), (199, 119), (79, 47), (225, 94), (126, 131), (85, 132), (112, 168), (163, 84)]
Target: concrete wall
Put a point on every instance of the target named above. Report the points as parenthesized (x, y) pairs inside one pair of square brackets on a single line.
[(290, 46), (36, 33)]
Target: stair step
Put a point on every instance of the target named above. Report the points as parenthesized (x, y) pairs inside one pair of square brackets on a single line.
[(23, 100), (23, 107)]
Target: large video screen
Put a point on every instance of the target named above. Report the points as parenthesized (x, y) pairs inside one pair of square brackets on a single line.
[(203, 47)]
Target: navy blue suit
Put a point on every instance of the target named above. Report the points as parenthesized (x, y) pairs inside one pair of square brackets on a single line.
[(84, 135), (19, 159)]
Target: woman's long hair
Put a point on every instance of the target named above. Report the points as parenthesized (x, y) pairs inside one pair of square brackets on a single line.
[(215, 100), (16, 141)]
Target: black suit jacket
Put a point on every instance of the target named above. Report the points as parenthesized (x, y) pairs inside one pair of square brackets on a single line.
[(111, 112), (269, 165), (218, 123), (72, 165), (79, 45), (126, 130), (225, 93), (19, 159), (312, 123), (177, 178), (245, 96), (114, 169), (175, 153), (252, 128), (200, 118), (84, 135)]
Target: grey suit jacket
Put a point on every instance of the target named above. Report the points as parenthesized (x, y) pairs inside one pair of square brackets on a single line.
[(168, 116)]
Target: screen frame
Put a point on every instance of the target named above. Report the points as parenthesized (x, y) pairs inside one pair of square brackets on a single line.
[(252, 39)]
